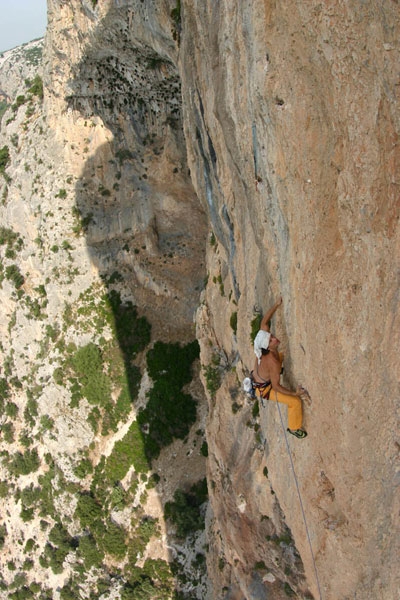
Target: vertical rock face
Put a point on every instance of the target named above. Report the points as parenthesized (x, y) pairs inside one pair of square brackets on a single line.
[(110, 68), (286, 116), (292, 123)]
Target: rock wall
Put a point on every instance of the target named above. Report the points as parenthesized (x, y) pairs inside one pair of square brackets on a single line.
[(291, 123), (110, 69), (286, 118)]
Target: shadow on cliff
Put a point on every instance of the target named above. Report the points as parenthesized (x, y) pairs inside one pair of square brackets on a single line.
[(145, 233)]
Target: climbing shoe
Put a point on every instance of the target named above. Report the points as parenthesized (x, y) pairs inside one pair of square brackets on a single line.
[(299, 433)]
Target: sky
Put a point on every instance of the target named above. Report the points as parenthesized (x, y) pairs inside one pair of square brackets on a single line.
[(21, 21)]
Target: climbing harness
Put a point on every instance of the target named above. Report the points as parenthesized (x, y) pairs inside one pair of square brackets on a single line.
[(300, 500), (250, 385), (264, 389)]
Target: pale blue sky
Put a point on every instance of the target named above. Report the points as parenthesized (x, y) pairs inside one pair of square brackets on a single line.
[(21, 21)]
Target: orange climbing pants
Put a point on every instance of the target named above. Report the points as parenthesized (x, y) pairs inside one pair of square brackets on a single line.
[(295, 408)]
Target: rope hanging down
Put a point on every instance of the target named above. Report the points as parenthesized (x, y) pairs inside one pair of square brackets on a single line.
[(300, 500)]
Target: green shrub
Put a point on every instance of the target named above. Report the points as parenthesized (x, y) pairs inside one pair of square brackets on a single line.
[(24, 463), (84, 468), (143, 533), (8, 432), (87, 360), (4, 489), (204, 449), (3, 108), (233, 322), (185, 511), (30, 545), (88, 510), (3, 534), (59, 545), (169, 412), (11, 410), (255, 410), (133, 332), (31, 411), (27, 514), (46, 482), (97, 389), (212, 376), (113, 541), (90, 552), (255, 327), (10, 238), (14, 275), (37, 87), (95, 384), (4, 392), (20, 101), (127, 452), (47, 423)]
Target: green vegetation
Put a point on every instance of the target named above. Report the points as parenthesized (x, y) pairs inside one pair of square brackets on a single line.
[(4, 158), (82, 222), (176, 20), (132, 332), (95, 370), (127, 452), (212, 374), (288, 590), (14, 275), (123, 154), (185, 511), (204, 449), (106, 374), (169, 412), (255, 411), (33, 56), (20, 101), (3, 534), (59, 545), (23, 463), (155, 581), (255, 327), (95, 384), (12, 240), (36, 88), (89, 551), (3, 108), (233, 322)]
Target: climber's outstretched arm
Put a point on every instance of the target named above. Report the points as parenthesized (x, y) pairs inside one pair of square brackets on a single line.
[(268, 316)]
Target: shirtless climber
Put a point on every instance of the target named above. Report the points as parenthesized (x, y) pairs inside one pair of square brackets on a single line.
[(266, 375)]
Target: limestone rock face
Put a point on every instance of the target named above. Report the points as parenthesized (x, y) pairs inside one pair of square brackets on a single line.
[(112, 69), (292, 123), (254, 146)]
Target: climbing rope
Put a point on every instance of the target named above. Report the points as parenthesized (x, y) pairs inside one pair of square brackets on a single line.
[(300, 499)]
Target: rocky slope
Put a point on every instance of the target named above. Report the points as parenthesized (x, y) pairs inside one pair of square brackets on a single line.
[(99, 217), (286, 117)]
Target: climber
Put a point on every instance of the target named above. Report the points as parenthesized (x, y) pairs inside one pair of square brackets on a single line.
[(266, 375)]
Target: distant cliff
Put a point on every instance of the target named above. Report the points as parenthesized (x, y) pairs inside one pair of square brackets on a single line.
[(189, 163)]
